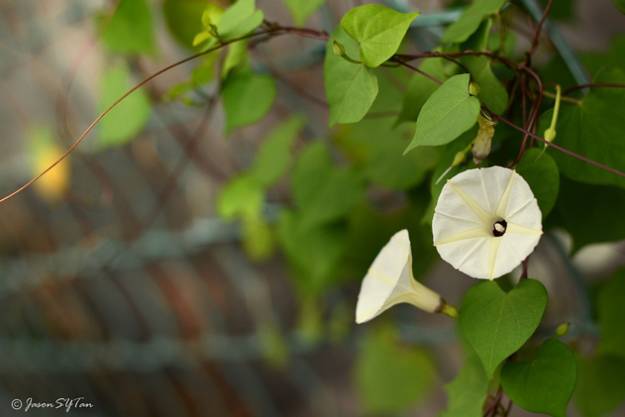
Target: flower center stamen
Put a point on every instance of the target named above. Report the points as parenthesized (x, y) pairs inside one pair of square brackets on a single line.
[(499, 228)]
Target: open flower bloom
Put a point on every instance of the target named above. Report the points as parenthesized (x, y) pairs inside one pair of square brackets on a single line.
[(486, 222), (389, 281)]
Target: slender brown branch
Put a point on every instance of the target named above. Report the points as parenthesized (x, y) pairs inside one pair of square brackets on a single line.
[(538, 31), (559, 148), (403, 63), (96, 121), (459, 54)]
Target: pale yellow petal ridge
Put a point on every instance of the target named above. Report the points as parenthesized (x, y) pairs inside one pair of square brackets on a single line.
[(471, 203), (503, 202), (465, 235), (522, 230), (481, 171), (495, 243)]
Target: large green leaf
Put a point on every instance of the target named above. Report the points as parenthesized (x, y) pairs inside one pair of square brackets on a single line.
[(587, 220), (350, 88), (496, 324), (541, 173), (470, 20), (131, 29), (274, 155), (303, 9), (391, 378), (184, 19), (420, 89), (544, 384), (601, 386), (247, 97), (378, 148), (449, 112), (128, 118), (467, 393), (378, 30), (611, 311), (322, 192), (593, 129)]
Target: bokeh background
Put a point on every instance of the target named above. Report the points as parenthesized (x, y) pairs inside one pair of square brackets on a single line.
[(131, 291)]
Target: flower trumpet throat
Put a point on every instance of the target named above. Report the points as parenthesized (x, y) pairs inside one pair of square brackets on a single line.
[(389, 281)]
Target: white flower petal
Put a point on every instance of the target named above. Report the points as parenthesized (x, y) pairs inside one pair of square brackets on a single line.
[(470, 205), (389, 281)]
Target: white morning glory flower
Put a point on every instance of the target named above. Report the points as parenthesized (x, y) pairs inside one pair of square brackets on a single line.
[(389, 281), (486, 222)]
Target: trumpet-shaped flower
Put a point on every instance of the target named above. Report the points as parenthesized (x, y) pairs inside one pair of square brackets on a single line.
[(486, 222), (389, 281)]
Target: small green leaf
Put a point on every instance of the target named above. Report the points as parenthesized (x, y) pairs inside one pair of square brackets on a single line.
[(274, 155), (470, 20), (239, 19), (129, 118), (492, 92), (593, 129), (449, 112), (546, 383), (183, 19), (131, 29), (541, 173), (314, 254), (620, 4), (236, 57), (496, 324), (303, 9), (391, 378), (322, 192), (601, 386), (258, 240), (247, 97), (378, 30), (350, 88), (611, 312), (241, 197), (420, 89), (587, 221), (468, 391)]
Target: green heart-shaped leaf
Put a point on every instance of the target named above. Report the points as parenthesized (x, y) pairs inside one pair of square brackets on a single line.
[(449, 112), (546, 383), (496, 324), (351, 88), (378, 30)]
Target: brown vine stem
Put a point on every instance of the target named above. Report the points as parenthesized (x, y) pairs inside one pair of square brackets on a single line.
[(538, 31), (593, 85)]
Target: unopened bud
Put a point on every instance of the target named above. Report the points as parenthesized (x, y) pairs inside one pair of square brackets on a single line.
[(563, 329), (483, 140), (338, 49), (474, 88), (550, 134)]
